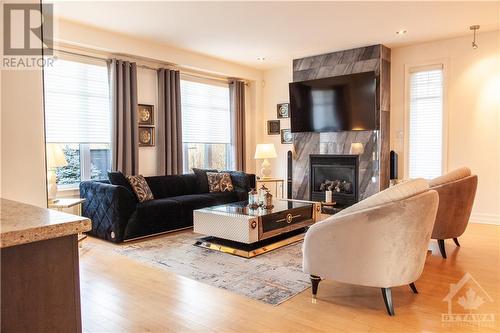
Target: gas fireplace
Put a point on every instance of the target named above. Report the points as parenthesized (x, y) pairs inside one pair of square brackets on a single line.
[(339, 173)]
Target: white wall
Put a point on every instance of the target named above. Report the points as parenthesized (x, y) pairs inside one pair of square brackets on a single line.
[(147, 93), (275, 91), (23, 176), (472, 103)]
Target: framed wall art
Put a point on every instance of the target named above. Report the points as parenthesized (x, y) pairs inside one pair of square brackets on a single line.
[(145, 114), (286, 136), (146, 136), (273, 127), (283, 110)]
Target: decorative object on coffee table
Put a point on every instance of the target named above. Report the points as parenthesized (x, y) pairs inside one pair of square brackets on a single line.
[(262, 191), (146, 136), (283, 110), (145, 114), (265, 151), (273, 127), (268, 201), (253, 199), (286, 136)]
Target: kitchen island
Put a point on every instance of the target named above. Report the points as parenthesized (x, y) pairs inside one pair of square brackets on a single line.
[(40, 287)]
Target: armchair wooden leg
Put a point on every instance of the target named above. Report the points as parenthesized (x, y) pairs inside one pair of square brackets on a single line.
[(315, 280), (442, 249), (456, 242), (387, 294), (414, 288)]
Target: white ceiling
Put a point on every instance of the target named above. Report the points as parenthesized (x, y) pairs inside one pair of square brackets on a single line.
[(280, 31)]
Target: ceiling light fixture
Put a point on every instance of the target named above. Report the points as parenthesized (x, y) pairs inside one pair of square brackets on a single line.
[(261, 58), (474, 28), (401, 32)]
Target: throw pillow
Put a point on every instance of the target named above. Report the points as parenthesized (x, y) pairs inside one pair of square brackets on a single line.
[(219, 182), (201, 176), (118, 178), (141, 188)]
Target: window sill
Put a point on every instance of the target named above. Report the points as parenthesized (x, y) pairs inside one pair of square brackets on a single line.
[(69, 192)]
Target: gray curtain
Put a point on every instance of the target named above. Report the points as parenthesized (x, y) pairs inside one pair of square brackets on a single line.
[(123, 88), (237, 102), (169, 144)]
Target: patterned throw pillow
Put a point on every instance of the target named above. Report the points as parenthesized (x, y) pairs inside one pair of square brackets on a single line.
[(141, 188), (219, 182)]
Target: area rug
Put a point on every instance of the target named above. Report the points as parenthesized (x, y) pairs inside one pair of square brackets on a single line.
[(272, 277)]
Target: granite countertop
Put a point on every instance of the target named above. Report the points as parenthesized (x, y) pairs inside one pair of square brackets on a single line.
[(21, 223)]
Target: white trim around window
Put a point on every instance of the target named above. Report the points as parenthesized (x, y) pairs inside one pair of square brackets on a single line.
[(409, 69)]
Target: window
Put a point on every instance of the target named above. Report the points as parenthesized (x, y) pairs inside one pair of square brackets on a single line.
[(425, 137), (206, 125), (78, 119)]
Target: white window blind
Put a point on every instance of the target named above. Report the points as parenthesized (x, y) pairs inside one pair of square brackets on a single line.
[(77, 103), (206, 114), (426, 123)]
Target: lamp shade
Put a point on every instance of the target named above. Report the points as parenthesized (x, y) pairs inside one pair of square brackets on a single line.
[(265, 150), (55, 156), (357, 148)]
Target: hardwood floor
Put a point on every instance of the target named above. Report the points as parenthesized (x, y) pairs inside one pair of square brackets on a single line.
[(122, 295)]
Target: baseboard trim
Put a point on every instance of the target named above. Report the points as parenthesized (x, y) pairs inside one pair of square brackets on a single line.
[(485, 219), (131, 240)]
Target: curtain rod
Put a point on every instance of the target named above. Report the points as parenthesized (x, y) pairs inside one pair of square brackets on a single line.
[(183, 71), (201, 76), (102, 57)]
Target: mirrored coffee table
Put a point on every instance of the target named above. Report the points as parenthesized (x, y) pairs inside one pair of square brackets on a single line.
[(236, 229)]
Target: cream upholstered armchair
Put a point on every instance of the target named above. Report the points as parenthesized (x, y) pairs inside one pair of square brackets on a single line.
[(456, 190), (379, 242)]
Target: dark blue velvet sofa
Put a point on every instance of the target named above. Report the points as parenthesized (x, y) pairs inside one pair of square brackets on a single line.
[(117, 215)]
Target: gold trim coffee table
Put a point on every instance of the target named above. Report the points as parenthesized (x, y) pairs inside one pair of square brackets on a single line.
[(236, 229)]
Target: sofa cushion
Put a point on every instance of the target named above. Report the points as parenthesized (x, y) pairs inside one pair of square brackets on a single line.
[(195, 201), (118, 178), (141, 188), (201, 175), (188, 203), (172, 185), (225, 197), (156, 216), (395, 193), (219, 182), (450, 176), (158, 208), (242, 181)]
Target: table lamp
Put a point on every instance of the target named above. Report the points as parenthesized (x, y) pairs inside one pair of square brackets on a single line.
[(357, 148), (55, 159), (265, 151)]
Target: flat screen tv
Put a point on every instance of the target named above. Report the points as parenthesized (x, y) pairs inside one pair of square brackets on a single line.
[(340, 103)]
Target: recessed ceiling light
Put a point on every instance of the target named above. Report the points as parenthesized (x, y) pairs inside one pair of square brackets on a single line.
[(261, 58), (401, 32)]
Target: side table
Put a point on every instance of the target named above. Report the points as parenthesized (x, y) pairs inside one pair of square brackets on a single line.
[(61, 203), (275, 186)]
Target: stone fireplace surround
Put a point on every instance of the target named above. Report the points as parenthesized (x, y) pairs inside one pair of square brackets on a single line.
[(374, 161)]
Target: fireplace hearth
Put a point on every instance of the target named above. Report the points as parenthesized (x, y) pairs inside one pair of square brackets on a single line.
[(336, 172)]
